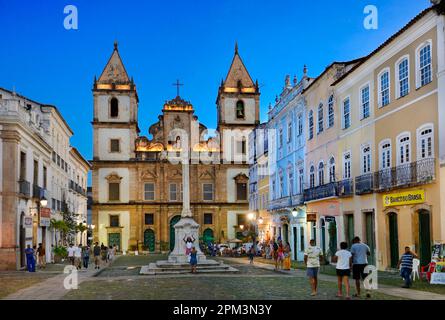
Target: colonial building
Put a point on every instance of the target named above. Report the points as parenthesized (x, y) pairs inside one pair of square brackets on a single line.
[(137, 189), (35, 170)]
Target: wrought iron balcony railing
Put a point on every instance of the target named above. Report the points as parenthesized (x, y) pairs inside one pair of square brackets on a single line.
[(24, 188), (280, 203), (324, 191), (364, 184), (37, 192), (345, 188), (407, 175)]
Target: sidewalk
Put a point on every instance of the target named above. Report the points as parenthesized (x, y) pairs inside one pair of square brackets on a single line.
[(53, 288), (389, 290)]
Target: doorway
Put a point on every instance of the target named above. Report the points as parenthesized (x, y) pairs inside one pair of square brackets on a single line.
[(294, 232), (424, 237), (285, 233), (332, 237), (173, 221), (393, 239), (323, 236), (370, 236), (114, 239), (22, 240), (149, 240)]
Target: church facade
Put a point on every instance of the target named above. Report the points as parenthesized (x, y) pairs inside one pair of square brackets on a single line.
[(137, 180)]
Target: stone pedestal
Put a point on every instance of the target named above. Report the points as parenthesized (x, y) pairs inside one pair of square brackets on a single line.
[(186, 227)]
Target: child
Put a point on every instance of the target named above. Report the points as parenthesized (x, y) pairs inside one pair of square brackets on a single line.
[(406, 261), (193, 259), (344, 263)]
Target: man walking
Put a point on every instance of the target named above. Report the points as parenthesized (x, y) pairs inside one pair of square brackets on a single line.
[(312, 258), (86, 256), (360, 253), (96, 253), (71, 254), (78, 256), (41, 256), (406, 262), (30, 262)]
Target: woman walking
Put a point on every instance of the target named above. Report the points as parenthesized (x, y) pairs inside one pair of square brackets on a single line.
[(193, 259), (281, 254), (287, 251), (344, 264)]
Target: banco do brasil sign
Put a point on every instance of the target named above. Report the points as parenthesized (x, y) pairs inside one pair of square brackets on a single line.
[(404, 198)]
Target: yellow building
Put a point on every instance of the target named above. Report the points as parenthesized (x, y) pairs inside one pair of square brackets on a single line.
[(392, 106)]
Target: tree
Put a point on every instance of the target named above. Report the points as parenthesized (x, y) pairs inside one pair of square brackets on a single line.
[(70, 219), (60, 226)]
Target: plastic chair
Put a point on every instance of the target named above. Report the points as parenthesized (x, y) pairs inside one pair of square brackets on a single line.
[(416, 265), (428, 270)]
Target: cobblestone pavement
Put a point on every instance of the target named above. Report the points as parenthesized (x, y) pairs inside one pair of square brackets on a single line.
[(121, 280)]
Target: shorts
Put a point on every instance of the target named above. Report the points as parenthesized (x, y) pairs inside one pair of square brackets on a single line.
[(312, 272), (358, 271), (343, 272)]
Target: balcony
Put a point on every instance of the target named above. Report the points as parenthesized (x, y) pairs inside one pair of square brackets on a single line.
[(37, 192), (364, 184), (345, 188), (297, 200), (71, 185), (280, 203), (324, 191), (24, 188), (407, 175)]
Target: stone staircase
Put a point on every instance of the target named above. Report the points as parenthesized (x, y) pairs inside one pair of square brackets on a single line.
[(165, 267)]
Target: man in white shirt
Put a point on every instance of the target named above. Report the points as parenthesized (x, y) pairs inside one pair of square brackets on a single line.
[(77, 256), (312, 258), (71, 253)]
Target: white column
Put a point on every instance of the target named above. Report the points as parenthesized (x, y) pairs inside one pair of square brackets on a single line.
[(186, 212)]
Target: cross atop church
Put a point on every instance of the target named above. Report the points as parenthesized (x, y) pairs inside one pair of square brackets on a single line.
[(177, 85)]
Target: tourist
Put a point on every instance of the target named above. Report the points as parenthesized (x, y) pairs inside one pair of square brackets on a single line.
[(312, 258), (77, 256), (280, 254), (85, 256), (360, 253), (193, 259), (30, 262), (287, 252), (275, 254), (71, 254), (111, 253), (251, 254), (267, 252), (41, 255), (188, 246), (34, 248), (104, 253), (406, 264), (96, 253), (343, 258)]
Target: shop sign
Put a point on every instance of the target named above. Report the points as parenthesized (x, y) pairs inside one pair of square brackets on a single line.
[(437, 278), (329, 219), (27, 222), (311, 217), (404, 198), (45, 217)]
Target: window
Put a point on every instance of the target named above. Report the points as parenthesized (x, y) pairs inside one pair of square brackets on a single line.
[(173, 192), (300, 180), (364, 101), (208, 218), (22, 166), (311, 125), (54, 157), (281, 180), (53, 204), (346, 113), (320, 118), (384, 88), (36, 173), (425, 143), (404, 149), (403, 78), (385, 155), (274, 194), (291, 180), (331, 111), (320, 174), (114, 108), (240, 109), (149, 191), (347, 165), (332, 169), (366, 159), (280, 138), (45, 177), (241, 191), (241, 147), (113, 191), (114, 221), (424, 73), (149, 218), (207, 190), (289, 131), (312, 177), (58, 160), (300, 125), (114, 145)]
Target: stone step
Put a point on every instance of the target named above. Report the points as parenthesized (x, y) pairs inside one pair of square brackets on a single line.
[(164, 268)]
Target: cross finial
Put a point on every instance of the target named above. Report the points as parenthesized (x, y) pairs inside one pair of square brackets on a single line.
[(177, 85), (236, 47)]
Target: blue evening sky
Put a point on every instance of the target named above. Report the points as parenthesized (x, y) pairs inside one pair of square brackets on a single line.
[(193, 40)]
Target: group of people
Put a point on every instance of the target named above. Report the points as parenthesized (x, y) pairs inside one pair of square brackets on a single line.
[(78, 255), (281, 254), (356, 259)]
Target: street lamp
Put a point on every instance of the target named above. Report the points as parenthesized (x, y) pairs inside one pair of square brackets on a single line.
[(260, 220), (294, 212), (251, 216), (241, 227), (43, 202)]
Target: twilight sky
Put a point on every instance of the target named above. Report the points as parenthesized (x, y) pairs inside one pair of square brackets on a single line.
[(193, 40)]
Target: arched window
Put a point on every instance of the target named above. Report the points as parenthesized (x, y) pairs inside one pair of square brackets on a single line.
[(320, 118), (321, 174), (240, 109), (425, 145), (332, 169), (281, 181), (114, 108), (290, 173), (331, 111), (311, 125), (312, 177), (385, 154), (403, 149), (366, 159)]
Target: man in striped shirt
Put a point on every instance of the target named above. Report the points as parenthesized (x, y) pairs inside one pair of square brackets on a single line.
[(406, 262)]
